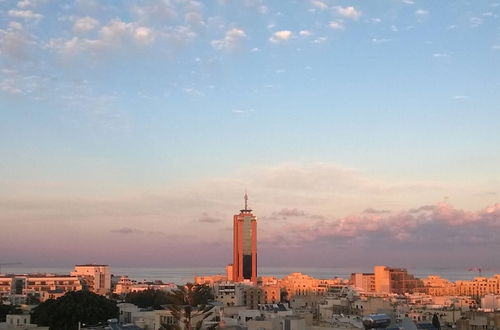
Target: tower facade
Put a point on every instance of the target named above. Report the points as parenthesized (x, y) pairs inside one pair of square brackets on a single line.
[(245, 245)]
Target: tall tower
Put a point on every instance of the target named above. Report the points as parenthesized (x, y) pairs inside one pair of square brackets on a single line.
[(245, 245)]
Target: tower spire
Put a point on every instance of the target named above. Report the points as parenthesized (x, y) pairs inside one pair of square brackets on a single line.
[(246, 209)]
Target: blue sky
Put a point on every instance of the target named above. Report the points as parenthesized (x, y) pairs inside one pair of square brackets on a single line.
[(169, 110)]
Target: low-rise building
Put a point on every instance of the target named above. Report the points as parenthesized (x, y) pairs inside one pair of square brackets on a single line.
[(16, 288)]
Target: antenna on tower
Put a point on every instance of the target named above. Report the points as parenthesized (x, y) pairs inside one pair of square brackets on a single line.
[(246, 203)]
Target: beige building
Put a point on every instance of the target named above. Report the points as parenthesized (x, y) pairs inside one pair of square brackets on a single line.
[(44, 286), (96, 278), (298, 284), (363, 281), (478, 287), (387, 280), (18, 322)]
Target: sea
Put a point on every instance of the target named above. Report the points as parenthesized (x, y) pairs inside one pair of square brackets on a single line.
[(182, 275)]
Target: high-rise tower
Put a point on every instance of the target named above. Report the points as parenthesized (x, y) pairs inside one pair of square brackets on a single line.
[(245, 245)]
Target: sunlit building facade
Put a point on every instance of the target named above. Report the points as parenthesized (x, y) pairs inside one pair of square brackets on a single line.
[(245, 245), (96, 278), (42, 286), (478, 287)]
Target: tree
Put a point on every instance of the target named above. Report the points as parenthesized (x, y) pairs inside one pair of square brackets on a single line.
[(148, 298), (4, 310), (435, 322), (189, 303), (65, 312)]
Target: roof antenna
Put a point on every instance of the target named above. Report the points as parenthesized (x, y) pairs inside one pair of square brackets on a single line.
[(245, 210), (246, 201)]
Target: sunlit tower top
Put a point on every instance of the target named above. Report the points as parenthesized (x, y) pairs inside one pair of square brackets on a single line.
[(246, 210), (245, 245)]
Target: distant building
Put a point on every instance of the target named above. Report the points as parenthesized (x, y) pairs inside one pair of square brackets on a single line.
[(96, 278), (298, 284), (125, 285), (478, 287), (387, 280), (245, 245), (363, 281), (210, 279), (43, 286)]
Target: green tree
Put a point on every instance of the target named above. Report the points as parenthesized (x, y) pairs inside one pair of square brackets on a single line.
[(4, 310), (188, 304), (65, 312), (148, 298)]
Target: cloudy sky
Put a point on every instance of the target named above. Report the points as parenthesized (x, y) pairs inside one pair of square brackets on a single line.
[(365, 132)]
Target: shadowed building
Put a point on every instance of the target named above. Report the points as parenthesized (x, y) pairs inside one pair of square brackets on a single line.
[(245, 245)]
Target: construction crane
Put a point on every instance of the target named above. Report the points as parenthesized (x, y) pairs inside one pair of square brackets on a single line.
[(8, 264)]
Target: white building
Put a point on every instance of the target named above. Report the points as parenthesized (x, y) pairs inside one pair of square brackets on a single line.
[(490, 302), (97, 278), (17, 322)]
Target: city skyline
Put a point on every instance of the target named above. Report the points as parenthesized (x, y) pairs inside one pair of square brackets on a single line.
[(366, 130)]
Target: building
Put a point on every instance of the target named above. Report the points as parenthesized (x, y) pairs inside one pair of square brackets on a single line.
[(363, 281), (245, 245), (395, 280), (18, 322), (42, 286), (96, 278), (478, 287), (229, 293), (125, 285), (298, 284)]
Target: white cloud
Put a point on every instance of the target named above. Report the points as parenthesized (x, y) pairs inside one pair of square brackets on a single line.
[(143, 35), (336, 25), (157, 12), (495, 47), (409, 2), (231, 41), (85, 24), (460, 97), (475, 21), (320, 40), (23, 4), (26, 14), (242, 111), (194, 18), (376, 20), (380, 41), (9, 86), (440, 55), (319, 4), (15, 42), (421, 12), (305, 33), (349, 12), (112, 36), (281, 36)]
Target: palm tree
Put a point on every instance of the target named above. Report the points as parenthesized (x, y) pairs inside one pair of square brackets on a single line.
[(187, 304)]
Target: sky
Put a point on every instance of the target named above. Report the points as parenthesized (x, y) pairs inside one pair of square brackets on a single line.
[(365, 132)]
